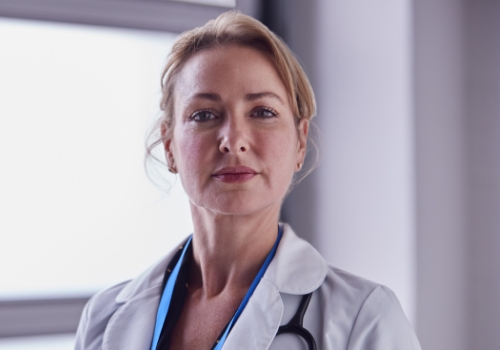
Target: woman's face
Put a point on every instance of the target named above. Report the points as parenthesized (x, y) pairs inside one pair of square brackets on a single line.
[(235, 143)]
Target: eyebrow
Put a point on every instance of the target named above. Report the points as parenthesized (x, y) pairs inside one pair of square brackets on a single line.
[(207, 96), (253, 97), (249, 97)]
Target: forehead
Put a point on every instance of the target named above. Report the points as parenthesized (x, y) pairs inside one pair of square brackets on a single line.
[(229, 71)]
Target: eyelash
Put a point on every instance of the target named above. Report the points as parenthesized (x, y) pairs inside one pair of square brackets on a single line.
[(265, 109), (196, 114)]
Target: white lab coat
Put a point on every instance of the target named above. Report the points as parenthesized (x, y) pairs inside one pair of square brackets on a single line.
[(345, 312)]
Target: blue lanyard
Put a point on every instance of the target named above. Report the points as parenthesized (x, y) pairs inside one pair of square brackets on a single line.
[(166, 297), (169, 289), (250, 291)]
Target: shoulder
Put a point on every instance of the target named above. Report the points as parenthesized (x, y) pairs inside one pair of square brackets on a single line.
[(370, 311), (346, 311), (103, 305), (96, 315)]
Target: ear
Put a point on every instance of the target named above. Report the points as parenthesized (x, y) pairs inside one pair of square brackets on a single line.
[(303, 131), (167, 146)]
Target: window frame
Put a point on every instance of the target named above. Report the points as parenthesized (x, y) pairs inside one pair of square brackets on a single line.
[(163, 15)]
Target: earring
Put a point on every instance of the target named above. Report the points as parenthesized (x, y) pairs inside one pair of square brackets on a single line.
[(299, 165), (172, 170)]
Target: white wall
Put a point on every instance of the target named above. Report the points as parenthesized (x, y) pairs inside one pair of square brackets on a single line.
[(366, 118), (387, 77), (362, 194)]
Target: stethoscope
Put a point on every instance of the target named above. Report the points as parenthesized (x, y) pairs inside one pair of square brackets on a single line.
[(295, 326)]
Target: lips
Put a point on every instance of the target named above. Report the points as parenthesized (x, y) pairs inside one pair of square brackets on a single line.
[(236, 174)]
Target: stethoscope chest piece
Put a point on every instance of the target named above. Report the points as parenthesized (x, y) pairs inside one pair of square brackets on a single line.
[(295, 326)]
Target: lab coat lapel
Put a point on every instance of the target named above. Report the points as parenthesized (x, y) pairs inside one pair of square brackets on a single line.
[(298, 269), (132, 325), (259, 321)]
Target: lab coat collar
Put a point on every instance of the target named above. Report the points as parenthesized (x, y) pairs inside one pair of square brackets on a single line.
[(259, 321), (297, 268), (151, 278), (131, 326)]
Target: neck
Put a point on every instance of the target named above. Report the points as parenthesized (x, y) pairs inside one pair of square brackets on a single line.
[(228, 250)]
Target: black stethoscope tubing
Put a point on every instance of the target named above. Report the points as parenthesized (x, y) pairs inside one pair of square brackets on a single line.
[(295, 326)]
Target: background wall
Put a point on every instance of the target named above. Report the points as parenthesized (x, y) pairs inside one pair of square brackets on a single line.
[(408, 192), (482, 137), (358, 206), (440, 109)]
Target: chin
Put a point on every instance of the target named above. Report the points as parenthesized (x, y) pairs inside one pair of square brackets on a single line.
[(237, 208), (238, 205)]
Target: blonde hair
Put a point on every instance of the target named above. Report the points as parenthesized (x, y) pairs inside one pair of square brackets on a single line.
[(231, 28)]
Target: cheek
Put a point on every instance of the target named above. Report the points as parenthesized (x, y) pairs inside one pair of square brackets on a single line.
[(192, 154), (190, 145), (279, 150), (191, 151)]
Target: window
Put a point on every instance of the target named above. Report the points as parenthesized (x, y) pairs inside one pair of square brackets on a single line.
[(46, 342), (78, 211)]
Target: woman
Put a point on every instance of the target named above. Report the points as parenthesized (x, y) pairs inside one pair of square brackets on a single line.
[(236, 111)]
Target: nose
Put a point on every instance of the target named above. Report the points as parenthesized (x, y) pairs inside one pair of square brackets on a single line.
[(233, 136)]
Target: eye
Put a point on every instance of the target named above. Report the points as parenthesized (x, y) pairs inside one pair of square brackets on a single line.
[(202, 116), (264, 113)]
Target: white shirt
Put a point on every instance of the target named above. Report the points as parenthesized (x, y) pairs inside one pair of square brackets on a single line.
[(346, 312)]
